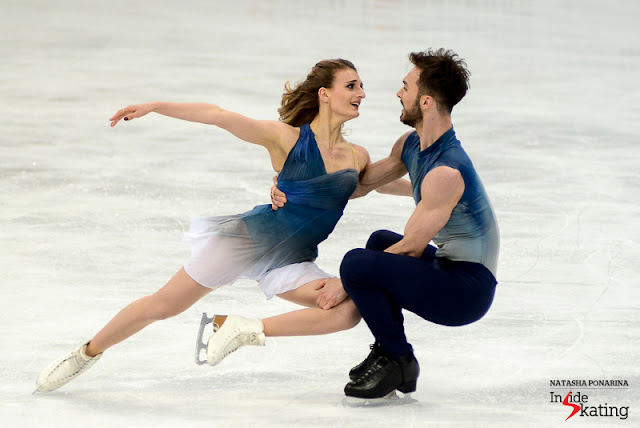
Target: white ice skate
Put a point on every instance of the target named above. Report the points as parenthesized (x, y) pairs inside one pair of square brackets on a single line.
[(234, 333), (65, 369)]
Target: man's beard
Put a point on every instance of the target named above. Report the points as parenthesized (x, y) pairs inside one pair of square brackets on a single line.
[(412, 117)]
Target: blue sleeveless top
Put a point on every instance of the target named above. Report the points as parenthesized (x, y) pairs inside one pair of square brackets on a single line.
[(471, 234), (315, 203)]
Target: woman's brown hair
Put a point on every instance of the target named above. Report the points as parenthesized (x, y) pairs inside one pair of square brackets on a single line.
[(300, 103)]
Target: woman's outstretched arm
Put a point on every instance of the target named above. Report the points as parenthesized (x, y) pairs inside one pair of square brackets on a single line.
[(273, 135)]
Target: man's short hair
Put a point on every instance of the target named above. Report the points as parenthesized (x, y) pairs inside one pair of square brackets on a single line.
[(443, 75)]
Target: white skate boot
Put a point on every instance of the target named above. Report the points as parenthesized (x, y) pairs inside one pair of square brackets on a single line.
[(234, 333), (65, 369)]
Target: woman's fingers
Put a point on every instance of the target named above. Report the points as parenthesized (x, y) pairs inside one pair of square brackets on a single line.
[(120, 114), (124, 113)]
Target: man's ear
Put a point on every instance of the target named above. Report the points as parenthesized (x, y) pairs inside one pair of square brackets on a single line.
[(426, 102)]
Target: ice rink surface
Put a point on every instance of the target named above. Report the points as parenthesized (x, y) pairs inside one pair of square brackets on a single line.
[(91, 217)]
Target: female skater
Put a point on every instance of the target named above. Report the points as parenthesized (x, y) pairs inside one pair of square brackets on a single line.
[(318, 170)]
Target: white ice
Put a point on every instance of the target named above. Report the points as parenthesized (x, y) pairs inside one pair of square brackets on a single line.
[(91, 217)]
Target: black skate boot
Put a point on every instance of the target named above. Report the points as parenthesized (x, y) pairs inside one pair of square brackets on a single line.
[(384, 376), (360, 369)]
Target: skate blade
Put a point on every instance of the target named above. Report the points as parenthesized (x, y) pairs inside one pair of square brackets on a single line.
[(200, 343), (391, 399)]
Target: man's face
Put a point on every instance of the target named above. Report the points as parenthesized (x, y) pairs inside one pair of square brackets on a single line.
[(411, 113)]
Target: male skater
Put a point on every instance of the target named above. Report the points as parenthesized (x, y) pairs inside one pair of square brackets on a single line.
[(452, 284)]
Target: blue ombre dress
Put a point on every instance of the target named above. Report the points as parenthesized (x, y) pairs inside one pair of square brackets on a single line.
[(249, 245)]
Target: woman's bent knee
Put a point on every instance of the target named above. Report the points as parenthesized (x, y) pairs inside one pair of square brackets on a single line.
[(348, 314)]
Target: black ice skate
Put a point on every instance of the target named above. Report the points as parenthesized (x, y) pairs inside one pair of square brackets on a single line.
[(384, 377), (360, 369)]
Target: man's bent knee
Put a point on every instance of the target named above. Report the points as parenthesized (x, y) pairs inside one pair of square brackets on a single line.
[(351, 262), (380, 240), (354, 267)]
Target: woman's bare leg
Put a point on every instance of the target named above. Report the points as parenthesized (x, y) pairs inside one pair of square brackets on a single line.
[(175, 297), (312, 320)]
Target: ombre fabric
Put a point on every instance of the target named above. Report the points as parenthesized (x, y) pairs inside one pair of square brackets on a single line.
[(471, 234), (290, 277), (249, 245)]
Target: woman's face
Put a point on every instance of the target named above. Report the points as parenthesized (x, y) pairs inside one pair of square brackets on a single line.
[(345, 96)]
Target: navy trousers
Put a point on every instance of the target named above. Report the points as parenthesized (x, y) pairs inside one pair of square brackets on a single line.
[(439, 290)]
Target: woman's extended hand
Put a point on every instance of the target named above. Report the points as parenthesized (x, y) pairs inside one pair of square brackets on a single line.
[(131, 112)]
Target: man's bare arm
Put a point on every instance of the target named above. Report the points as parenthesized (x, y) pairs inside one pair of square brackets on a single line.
[(441, 190), (400, 187), (382, 172)]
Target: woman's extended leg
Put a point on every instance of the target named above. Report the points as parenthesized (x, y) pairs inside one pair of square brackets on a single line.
[(175, 297)]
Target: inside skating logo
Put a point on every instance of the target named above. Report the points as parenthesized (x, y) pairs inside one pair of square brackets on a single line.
[(575, 407), (591, 405)]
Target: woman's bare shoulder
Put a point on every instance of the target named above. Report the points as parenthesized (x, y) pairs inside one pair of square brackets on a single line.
[(362, 156), (290, 135)]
